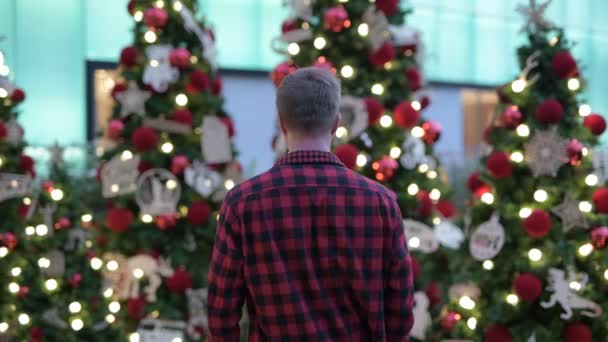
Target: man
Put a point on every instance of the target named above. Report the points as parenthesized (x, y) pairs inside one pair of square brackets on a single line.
[(317, 252)]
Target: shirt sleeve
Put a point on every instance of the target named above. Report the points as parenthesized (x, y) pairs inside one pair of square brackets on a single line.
[(399, 288), (226, 293)]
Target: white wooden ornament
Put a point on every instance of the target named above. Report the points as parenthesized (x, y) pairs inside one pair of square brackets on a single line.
[(420, 237), (534, 16), (56, 267), (153, 330), (51, 316), (133, 100), (192, 26), (422, 317), (159, 73), (448, 234), (215, 141), (119, 175), (158, 192), (570, 214), (377, 24), (459, 290), (202, 179), (546, 152), (488, 239), (14, 132), (566, 297), (414, 152), (7, 85), (354, 116), (302, 9), (168, 126), (47, 217), (14, 185), (77, 239), (197, 312), (404, 35)]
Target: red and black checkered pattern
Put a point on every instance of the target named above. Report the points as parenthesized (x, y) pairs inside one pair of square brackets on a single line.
[(317, 252)]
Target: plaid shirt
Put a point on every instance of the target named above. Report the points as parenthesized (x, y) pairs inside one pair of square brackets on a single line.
[(317, 252)]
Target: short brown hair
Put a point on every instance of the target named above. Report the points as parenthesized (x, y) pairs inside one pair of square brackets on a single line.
[(308, 100)]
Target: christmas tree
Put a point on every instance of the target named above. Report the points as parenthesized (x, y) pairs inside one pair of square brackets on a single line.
[(168, 163), (382, 134), (536, 269)]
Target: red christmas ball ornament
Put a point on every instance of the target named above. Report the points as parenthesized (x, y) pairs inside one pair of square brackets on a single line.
[(347, 154), (414, 78), (47, 186), (178, 164), (384, 54), (497, 333), (131, 7), (229, 124), (119, 219), (217, 85), (199, 213), (23, 291), (199, 80), (405, 115), (289, 25), (578, 332), (144, 139), (538, 224), (549, 112), (449, 321), (9, 240), (26, 165), (432, 132), (3, 131), (156, 18), (415, 267), (433, 293), (18, 95), (574, 149), (499, 165), (75, 280), (425, 101), (166, 222), (474, 181), (281, 71), (128, 56), (389, 7), (115, 128), (36, 334), (425, 204), (183, 116), (374, 109), (136, 308), (511, 117), (23, 210), (528, 287), (595, 123), (446, 208), (335, 19), (599, 237), (63, 223), (564, 65), (118, 88), (385, 168), (180, 281), (600, 200), (180, 58)]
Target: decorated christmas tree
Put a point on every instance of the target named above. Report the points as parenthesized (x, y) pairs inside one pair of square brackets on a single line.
[(167, 166), (536, 269), (382, 135)]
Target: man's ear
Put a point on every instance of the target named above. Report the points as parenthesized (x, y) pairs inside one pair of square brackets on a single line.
[(282, 125), (336, 123)]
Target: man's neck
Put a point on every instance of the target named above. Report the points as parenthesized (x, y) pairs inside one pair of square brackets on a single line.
[(309, 145)]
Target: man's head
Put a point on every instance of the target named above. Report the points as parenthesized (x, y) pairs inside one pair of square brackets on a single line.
[(308, 102)]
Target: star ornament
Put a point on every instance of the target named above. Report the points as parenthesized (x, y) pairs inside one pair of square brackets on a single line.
[(570, 214), (545, 153), (534, 16), (133, 100)]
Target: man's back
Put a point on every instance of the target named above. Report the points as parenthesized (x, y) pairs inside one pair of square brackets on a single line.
[(317, 251)]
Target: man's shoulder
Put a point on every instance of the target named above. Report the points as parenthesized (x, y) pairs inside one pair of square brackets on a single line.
[(252, 185)]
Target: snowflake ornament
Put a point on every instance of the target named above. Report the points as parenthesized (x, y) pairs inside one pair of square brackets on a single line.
[(133, 100), (570, 214), (159, 73), (534, 16), (546, 153)]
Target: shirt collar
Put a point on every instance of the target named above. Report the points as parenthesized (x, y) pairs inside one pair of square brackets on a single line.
[(309, 157)]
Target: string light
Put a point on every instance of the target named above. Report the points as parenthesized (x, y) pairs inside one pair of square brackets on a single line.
[(4, 71), (114, 307), (585, 249), (535, 254), (584, 110), (436, 220), (553, 40), (417, 132), (386, 121), (147, 218), (229, 184), (472, 323), (575, 285), (341, 132), (153, 63), (177, 6), (466, 303), (395, 152), (126, 155), (413, 189), (77, 324), (110, 319), (487, 198), (29, 230), (13, 288), (377, 89), (519, 85), (23, 319), (51, 284), (16, 271), (96, 263), (591, 180), (347, 71), (488, 265), (606, 274), (319, 44), (517, 157), (523, 130), (177, 339), (159, 3), (512, 299), (363, 30), (293, 49), (423, 168), (167, 147), (44, 263), (585, 206), (361, 160), (112, 265), (3, 327), (416, 105), (108, 292), (435, 194), (41, 230), (3, 93), (57, 195), (432, 174), (75, 307), (525, 212), (414, 242), (574, 84), (138, 273), (540, 196), (3, 251), (150, 37), (585, 151), (181, 100), (171, 184), (134, 337)]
